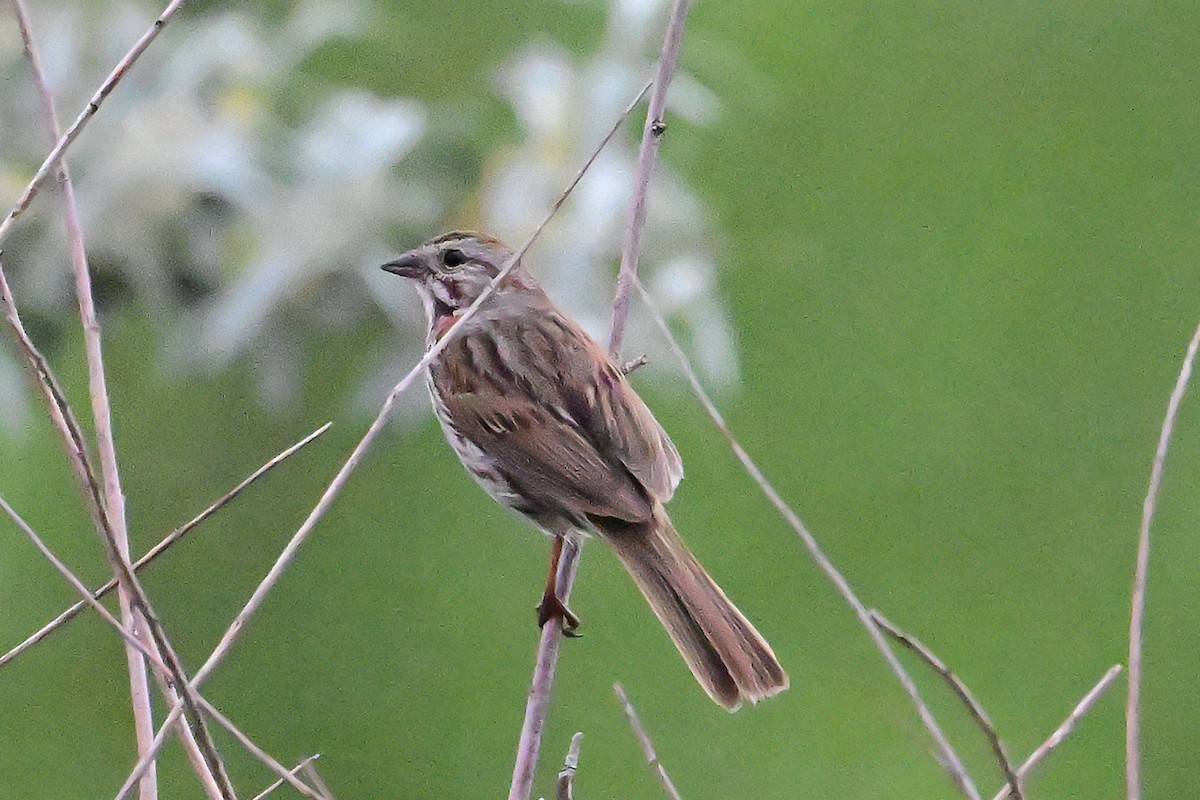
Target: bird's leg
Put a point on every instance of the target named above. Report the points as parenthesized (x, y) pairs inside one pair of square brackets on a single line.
[(552, 607)]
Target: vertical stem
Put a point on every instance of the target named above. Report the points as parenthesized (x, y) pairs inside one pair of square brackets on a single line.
[(114, 501), (538, 706), (1133, 703), (538, 703), (652, 133)]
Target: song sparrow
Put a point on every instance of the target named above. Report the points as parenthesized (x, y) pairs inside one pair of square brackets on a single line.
[(549, 426)]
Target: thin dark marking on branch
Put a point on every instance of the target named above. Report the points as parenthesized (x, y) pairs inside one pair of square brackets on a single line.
[(660, 771), (948, 757), (158, 549), (1064, 730), (961, 691), (1133, 703)]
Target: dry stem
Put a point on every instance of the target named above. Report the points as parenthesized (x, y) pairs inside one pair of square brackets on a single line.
[(72, 436), (89, 111), (632, 366), (279, 781), (961, 691), (565, 789), (950, 760), (109, 508), (652, 133), (1133, 705), (158, 549), (538, 703), (314, 777), (1064, 730), (660, 771), (153, 657)]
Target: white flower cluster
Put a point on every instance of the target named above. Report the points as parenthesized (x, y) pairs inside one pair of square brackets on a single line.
[(239, 224)]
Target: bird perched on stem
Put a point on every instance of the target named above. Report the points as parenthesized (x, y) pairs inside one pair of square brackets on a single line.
[(549, 426)]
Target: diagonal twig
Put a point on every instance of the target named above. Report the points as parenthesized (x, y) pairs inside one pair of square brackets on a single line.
[(72, 436), (343, 474), (962, 692), (1064, 730), (137, 643), (51, 391), (629, 367), (660, 771), (279, 781), (1133, 704), (314, 777), (154, 552), (949, 758), (109, 507), (85, 116), (537, 705)]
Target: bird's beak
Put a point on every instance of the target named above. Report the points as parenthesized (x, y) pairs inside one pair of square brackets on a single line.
[(408, 265)]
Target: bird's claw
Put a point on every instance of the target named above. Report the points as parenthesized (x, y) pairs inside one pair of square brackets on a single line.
[(553, 608)]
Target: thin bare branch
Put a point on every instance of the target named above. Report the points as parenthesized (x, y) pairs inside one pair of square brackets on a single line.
[(1064, 730), (631, 366), (339, 480), (314, 777), (191, 747), (565, 788), (639, 730), (961, 691), (136, 613), (1133, 704), (949, 758), (56, 402), (85, 116), (652, 133), (279, 781), (72, 435), (538, 703), (161, 547), (145, 650), (262, 755), (74, 580)]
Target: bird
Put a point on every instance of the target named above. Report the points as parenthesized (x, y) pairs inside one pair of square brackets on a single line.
[(550, 427)]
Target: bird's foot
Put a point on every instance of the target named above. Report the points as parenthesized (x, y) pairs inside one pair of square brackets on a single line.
[(553, 608)]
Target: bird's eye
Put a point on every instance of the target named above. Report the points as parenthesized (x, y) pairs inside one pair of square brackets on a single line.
[(453, 257)]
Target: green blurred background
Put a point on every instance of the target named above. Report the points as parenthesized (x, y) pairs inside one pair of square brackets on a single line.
[(959, 242)]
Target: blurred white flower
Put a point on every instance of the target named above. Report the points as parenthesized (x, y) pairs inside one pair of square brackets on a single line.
[(565, 107), (242, 222), (197, 192)]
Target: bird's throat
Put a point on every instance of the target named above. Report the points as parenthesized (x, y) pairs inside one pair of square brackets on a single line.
[(441, 324)]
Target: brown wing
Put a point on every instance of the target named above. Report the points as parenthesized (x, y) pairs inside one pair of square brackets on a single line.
[(618, 421), (535, 393)]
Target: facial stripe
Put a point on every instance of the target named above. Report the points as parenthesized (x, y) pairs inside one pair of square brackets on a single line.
[(445, 291)]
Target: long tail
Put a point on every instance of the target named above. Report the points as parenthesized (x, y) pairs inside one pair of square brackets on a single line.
[(729, 658)]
